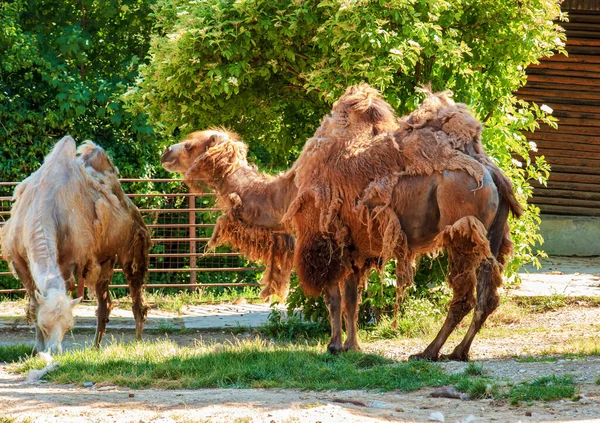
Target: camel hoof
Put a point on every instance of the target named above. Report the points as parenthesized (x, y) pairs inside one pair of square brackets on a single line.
[(334, 349), (423, 357), (455, 357)]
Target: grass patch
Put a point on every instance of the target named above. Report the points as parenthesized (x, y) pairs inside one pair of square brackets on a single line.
[(292, 327), (478, 388), (575, 347), (547, 388), (542, 304), (14, 353), (249, 364)]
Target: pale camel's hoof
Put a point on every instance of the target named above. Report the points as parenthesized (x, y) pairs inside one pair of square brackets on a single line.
[(423, 357)]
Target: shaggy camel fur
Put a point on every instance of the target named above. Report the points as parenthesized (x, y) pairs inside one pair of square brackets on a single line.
[(372, 187), (71, 220), (254, 202), (368, 187)]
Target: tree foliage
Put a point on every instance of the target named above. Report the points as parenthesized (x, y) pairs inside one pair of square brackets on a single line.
[(63, 68), (271, 69)]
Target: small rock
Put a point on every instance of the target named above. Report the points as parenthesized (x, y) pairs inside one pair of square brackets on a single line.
[(449, 392), (528, 413), (467, 419), (436, 416), (376, 404), (131, 395), (88, 384), (107, 388), (399, 410)]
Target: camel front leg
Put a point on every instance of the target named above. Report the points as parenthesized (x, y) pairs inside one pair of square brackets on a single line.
[(404, 279), (104, 302), (351, 299), (22, 270), (333, 300)]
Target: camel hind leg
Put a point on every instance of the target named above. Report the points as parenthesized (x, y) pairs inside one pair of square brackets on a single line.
[(104, 301), (135, 267), (467, 246), (489, 279)]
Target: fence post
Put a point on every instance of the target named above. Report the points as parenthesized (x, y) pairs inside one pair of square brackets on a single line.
[(192, 232)]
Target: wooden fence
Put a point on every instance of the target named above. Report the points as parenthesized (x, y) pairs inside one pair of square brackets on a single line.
[(181, 224)]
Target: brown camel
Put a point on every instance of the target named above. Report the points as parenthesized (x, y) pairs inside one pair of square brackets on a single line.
[(72, 220), (254, 202), (371, 187), (368, 187)]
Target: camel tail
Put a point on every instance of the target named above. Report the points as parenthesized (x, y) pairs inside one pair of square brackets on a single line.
[(505, 190)]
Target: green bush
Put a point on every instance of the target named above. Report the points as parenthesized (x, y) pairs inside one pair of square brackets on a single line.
[(271, 70), (63, 68)]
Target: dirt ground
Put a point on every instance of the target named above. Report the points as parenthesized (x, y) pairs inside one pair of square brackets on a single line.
[(495, 350)]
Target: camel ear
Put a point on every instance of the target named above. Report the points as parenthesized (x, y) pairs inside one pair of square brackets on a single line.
[(215, 139), (39, 297), (76, 301)]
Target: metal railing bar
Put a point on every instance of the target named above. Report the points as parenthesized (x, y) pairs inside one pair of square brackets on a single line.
[(186, 285), (179, 239), (199, 255), (181, 225), (149, 180), (12, 291), (182, 210), (204, 269), (183, 194)]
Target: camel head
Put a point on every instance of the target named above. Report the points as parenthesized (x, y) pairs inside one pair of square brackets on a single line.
[(55, 317), (206, 157)]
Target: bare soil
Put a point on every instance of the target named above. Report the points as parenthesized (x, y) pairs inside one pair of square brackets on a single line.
[(499, 349)]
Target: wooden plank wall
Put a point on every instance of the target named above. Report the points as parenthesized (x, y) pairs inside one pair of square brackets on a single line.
[(571, 87)]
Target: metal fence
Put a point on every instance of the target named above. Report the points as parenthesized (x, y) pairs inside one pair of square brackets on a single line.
[(181, 224)]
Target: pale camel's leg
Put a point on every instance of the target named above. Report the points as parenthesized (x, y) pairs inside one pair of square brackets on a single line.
[(135, 267), (104, 301), (22, 270), (333, 300)]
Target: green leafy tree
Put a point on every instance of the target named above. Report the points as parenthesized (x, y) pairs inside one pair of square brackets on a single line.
[(271, 69), (63, 68)]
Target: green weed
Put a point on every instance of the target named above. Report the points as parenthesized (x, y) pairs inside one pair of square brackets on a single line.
[(15, 352), (546, 388), (542, 304), (292, 327)]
